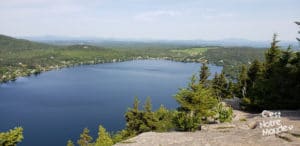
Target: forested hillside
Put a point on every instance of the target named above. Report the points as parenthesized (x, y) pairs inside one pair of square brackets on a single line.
[(22, 58)]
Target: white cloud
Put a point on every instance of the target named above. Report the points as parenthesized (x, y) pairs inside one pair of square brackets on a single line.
[(154, 15)]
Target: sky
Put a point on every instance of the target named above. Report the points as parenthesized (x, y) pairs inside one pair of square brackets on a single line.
[(152, 19)]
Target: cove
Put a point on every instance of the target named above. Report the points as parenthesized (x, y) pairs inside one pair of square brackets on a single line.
[(55, 106)]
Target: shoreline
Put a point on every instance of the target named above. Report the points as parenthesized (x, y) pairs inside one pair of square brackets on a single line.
[(58, 67)]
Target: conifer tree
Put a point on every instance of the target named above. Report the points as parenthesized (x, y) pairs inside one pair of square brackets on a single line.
[(219, 84), (104, 138), (275, 83), (196, 100), (164, 119), (134, 118), (286, 56), (254, 72), (148, 117), (148, 105), (12, 137), (298, 23), (272, 55), (242, 81), (85, 138), (204, 74), (70, 143)]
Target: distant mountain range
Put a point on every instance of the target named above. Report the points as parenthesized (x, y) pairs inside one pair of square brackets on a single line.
[(111, 42)]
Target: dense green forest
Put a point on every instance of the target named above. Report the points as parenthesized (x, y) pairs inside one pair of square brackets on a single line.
[(273, 83), (22, 58)]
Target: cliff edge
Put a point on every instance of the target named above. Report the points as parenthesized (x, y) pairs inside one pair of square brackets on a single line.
[(246, 129)]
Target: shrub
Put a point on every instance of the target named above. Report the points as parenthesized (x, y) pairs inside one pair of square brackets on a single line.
[(186, 122), (225, 113), (164, 119)]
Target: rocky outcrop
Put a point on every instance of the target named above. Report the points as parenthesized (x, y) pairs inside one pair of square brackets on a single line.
[(244, 130)]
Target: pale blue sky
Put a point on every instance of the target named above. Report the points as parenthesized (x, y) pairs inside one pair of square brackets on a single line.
[(151, 19)]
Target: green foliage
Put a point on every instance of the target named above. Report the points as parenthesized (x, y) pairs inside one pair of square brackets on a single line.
[(220, 86), (121, 135), (254, 72), (225, 113), (104, 138), (197, 99), (298, 23), (85, 138), (204, 74), (191, 51), (242, 82), (70, 143), (138, 121), (164, 119), (196, 102), (231, 58), (184, 121), (199, 103), (23, 58), (275, 83), (134, 119), (12, 137)]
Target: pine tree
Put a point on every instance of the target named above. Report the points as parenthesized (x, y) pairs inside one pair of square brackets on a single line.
[(70, 143), (219, 84), (254, 72), (12, 137), (298, 23), (204, 74), (275, 83), (104, 138), (198, 101), (286, 56), (134, 118), (85, 138), (164, 119), (242, 82), (148, 105), (148, 117), (272, 55)]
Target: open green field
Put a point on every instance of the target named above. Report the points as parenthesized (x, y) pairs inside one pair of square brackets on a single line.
[(191, 51)]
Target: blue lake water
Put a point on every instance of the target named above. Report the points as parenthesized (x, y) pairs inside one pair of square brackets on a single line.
[(55, 106)]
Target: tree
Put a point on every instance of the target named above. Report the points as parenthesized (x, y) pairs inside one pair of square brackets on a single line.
[(164, 119), (141, 121), (298, 23), (204, 74), (148, 105), (254, 72), (196, 100), (104, 138), (12, 137), (272, 56), (134, 118), (70, 143), (148, 117), (275, 83), (220, 86), (85, 138), (242, 81), (198, 104)]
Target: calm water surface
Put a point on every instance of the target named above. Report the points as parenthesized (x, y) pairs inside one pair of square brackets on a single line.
[(55, 106)]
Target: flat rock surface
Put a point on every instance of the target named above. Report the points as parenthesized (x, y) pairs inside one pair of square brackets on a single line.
[(244, 130)]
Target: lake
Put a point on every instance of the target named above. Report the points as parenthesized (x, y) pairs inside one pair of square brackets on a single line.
[(55, 106)]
